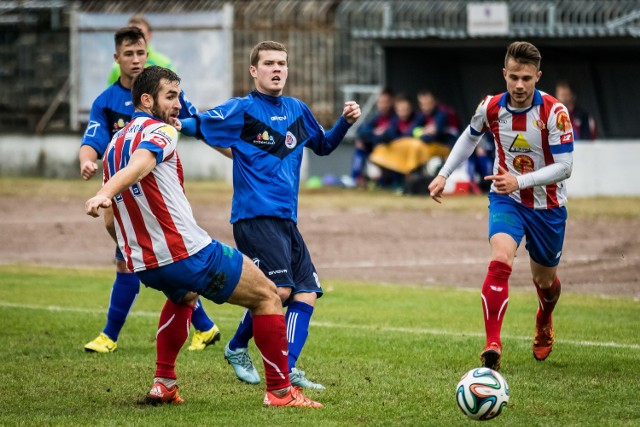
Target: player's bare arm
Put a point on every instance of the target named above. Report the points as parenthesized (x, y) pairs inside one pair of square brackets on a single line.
[(351, 112), (140, 165), (504, 182), (88, 166)]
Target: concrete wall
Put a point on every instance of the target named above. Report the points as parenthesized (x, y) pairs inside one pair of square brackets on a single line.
[(603, 168)]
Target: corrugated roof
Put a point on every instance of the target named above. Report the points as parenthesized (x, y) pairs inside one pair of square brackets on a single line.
[(420, 19)]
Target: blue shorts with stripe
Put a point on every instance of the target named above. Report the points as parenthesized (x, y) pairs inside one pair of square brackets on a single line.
[(277, 248), (544, 228), (213, 272)]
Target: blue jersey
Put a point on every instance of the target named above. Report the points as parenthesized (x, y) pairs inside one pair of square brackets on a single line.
[(111, 111), (266, 135)]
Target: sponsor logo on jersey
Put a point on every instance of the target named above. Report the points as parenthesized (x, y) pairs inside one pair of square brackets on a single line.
[(256, 261), (290, 140), (523, 164), (264, 139), (119, 124), (278, 118), (539, 124), (166, 132), (563, 122), (127, 103), (501, 121), (283, 271), (566, 138), (520, 145)]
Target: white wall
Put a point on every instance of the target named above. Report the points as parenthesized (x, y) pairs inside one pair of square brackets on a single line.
[(603, 168)]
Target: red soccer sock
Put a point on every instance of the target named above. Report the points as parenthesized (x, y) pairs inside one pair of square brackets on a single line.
[(547, 299), (173, 330), (495, 298), (269, 333)]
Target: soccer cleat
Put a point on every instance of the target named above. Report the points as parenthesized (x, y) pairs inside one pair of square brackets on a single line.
[(299, 380), (491, 355), (201, 339), (293, 398), (102, 344), (242, 365), (160, 394), (543, 341)]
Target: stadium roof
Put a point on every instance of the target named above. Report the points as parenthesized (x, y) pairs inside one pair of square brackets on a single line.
[(442, 19)]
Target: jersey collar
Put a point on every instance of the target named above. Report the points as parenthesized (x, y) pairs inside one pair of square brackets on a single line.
[(137, 114), (504, 102), (275, 100)]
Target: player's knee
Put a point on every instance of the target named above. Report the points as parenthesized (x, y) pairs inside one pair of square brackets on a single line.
[(267, 298), (306, 297), (544, 281), (284, 292), (190, 298)]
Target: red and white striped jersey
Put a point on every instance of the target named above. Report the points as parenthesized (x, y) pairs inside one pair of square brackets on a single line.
[(155, 224), (526, 140)]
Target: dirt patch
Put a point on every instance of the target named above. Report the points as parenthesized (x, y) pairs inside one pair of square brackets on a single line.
[(401, 247)]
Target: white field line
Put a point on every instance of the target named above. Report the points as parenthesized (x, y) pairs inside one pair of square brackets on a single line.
[(419, 331), (455, 261)]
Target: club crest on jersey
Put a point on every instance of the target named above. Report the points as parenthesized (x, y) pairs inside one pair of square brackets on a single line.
[(290, 140), (539, 124), (523, 164), (563, 122), (520, 145)]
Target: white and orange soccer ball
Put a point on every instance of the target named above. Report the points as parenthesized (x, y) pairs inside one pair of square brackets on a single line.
[(482, 393)]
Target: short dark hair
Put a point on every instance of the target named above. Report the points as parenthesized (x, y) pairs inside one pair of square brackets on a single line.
[(266, 45), (523, 53), (148, 81), (128, 34)]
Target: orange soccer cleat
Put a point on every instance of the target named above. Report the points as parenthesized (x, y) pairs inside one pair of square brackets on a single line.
[(160, 394), (293, 398), (491, 355), (543, 341)]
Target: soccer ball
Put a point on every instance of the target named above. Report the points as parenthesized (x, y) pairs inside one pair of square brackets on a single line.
[(482, 393)]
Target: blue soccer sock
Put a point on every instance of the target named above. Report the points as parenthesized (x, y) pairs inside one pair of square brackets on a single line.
[(358, 163), (200, 320), (298, 319), (123, 296), (243, 334)]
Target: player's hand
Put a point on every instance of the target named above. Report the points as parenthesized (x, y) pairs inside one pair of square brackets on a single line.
[(504, 182), (351, 112), (88, 169), (177, 124), (92, 205), (437, 187)]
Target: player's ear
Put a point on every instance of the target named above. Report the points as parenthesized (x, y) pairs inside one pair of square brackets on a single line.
[(146, 100), (538, 75), (253, 71)]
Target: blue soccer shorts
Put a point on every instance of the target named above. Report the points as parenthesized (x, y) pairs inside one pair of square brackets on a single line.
[(544, 228), (119, 255), (277, 248), (213, 272)]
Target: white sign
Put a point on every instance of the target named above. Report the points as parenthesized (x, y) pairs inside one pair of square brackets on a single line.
[(488, 19)]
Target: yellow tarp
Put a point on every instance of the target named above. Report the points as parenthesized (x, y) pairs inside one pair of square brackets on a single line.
[(405, 154)]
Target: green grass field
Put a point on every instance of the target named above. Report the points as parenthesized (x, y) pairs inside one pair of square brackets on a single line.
[(388, 355)]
